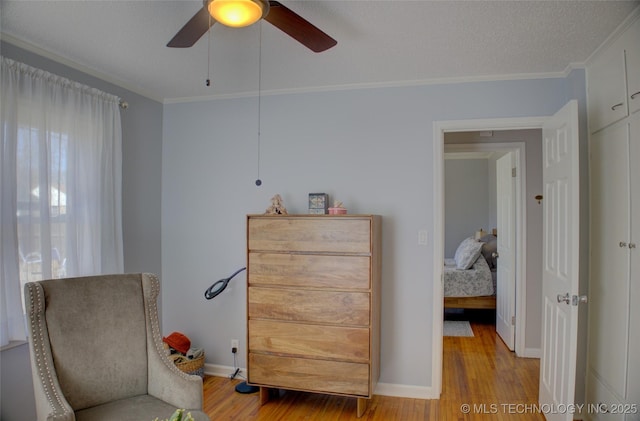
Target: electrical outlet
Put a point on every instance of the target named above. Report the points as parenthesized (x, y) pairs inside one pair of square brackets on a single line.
[(234, 346)]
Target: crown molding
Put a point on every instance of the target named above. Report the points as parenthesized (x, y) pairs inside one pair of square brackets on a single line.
[(633, 16), (290, 91), (382, 85)]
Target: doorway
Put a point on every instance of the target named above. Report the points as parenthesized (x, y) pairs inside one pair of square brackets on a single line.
[(488, 176), (468, 126), (560, 143)]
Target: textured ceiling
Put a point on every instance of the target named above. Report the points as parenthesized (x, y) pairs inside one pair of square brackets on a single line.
[(379, 42)]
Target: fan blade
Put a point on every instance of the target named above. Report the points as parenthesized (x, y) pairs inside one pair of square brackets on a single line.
[(298, 28), (193, 30)]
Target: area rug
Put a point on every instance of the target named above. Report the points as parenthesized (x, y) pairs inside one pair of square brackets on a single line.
[(457, 328)]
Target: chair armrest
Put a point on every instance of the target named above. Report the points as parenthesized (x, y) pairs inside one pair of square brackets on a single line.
[(51, 404), (166, 381)]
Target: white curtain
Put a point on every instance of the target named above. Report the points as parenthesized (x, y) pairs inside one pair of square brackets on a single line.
[(60, 207)]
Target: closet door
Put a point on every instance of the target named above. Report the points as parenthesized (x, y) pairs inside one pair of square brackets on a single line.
[(632, 57), (606, 88), (608, 294)]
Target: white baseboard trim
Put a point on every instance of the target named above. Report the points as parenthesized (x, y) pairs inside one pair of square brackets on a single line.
[(223, 371), (383, 389), (531, 353), (405, 391)]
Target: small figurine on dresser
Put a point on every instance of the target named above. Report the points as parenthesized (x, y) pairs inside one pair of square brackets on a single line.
[(277, 207)]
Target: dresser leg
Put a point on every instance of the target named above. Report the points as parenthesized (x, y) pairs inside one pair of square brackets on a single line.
[(361, 407), (264, 395)]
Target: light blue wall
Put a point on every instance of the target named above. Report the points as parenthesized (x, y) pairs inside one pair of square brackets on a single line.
[(17, 401), (466, 200), (370, 148)]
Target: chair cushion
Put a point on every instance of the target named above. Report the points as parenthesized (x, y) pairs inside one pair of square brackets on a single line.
[(97, 331), (137, 408)]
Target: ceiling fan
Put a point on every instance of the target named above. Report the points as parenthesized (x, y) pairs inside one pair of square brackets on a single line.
[(272, 11)]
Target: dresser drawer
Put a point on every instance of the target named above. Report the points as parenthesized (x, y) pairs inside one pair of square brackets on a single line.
[(311, 341), (312, 270), (307, 374), (314, 234), (335, 307)]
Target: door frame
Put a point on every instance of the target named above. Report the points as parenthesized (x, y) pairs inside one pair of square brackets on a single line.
[(520, 206), (439, 130)]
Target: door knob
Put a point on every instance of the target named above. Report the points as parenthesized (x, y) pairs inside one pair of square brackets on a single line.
[(632, 245), (495, 255), (566, 298), (577, 299), (623, 244)]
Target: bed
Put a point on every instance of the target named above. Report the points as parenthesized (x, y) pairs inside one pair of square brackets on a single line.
[(470, 277)]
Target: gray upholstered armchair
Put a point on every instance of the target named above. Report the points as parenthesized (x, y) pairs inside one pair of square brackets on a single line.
[(97, 353)]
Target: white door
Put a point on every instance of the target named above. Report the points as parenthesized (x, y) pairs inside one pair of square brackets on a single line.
[(505, 297), (560, 261)]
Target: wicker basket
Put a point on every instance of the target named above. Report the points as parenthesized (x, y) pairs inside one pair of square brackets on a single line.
[(195, 366)]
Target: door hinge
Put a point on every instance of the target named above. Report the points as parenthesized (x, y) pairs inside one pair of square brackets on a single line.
[(513, 172), (513, 320)]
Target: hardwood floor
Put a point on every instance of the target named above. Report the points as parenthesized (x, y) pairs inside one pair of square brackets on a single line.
[(483, 373), (478, 371)]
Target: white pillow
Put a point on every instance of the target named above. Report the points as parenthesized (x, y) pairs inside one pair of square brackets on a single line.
[(467, 253)]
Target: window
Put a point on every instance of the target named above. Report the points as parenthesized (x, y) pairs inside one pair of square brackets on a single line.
[(60, 205), (41, 215)]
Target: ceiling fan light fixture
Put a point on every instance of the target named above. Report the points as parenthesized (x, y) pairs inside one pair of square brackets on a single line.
[(238, 13)]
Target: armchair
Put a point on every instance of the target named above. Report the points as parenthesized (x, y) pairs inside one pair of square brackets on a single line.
[(97, 352)]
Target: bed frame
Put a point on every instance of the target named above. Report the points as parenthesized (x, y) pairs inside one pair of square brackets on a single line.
[(485, 302)]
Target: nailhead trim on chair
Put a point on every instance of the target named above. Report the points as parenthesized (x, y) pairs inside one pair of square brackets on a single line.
[(36, 298), (152, 305)]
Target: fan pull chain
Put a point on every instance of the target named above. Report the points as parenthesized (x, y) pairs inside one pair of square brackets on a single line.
[(258, 180), (208, 81)]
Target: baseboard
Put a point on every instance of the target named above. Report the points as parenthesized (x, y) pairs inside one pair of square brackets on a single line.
[(384, 389), (405, 391), (223, 371), (531, 353)]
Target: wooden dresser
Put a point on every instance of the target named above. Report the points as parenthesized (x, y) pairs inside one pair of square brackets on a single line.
[(313, 304)]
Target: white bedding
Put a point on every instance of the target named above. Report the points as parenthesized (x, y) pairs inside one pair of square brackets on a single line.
[(474, 282)]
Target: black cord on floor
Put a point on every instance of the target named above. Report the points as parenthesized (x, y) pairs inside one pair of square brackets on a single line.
[(236, 369)]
